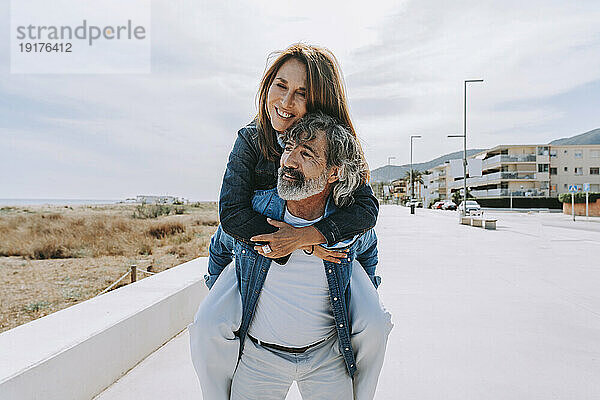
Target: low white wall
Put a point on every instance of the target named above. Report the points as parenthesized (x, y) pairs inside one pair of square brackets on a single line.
[(77, 352)]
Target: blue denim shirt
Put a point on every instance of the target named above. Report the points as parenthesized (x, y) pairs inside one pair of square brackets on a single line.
[(252, 269)]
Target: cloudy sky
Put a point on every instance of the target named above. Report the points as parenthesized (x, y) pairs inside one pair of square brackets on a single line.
[(85, 136)]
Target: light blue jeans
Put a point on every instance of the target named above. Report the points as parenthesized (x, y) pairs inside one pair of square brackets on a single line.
[(214, 347), (266, 374)]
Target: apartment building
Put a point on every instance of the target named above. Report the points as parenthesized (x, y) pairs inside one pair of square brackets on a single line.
[(515, 170), (536, 171), (401, 188), (437, 182), (574, 165)]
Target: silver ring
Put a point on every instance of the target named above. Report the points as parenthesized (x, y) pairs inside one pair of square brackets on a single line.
[(266, 249)]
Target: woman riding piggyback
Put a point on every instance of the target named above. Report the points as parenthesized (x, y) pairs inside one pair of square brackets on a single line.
[(301, 79)]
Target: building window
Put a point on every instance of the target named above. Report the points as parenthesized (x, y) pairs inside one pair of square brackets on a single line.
[(565, 152), (594, 171), (565, 186), (578, 170), (578, 153), (542, 167), (595, 153), (553, 171), (552, 153), (566, 169)]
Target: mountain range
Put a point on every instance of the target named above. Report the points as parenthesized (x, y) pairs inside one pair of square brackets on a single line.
[(391, 172), (591, 137)]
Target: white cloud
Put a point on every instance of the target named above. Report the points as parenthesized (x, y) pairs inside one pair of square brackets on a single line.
[(524, 51), (404, 62)]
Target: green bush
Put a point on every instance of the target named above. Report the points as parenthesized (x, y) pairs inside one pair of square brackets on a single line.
[(145, 211), (579, 197), (37, 306)]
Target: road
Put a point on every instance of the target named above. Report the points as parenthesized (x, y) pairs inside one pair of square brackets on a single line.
[(506, 314)]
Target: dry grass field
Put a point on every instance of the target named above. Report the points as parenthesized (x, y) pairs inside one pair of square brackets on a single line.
[(52, 257)]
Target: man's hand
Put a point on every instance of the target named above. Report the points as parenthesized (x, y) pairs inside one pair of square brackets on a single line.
[(287, 239)]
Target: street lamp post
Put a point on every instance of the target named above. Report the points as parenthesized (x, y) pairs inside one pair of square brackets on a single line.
[(390, 169), (389, 172), (412, 183), (464, 136)]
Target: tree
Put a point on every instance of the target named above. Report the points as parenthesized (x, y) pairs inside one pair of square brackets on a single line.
[(377, 188), (417, 177), (457, 196)]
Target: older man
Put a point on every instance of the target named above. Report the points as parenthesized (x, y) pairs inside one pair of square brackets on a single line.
[(297, 320)]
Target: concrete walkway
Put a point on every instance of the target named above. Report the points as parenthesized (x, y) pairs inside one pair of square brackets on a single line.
[(506, 314)]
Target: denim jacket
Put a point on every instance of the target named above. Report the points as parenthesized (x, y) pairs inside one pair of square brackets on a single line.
[(247, 171), (252, 269)]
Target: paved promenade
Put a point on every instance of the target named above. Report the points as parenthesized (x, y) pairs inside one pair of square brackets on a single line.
[(506, 314)]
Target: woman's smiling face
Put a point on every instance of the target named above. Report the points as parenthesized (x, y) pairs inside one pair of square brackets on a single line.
[(286, 100)]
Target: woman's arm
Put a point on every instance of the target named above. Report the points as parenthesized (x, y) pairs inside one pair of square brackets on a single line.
[(342, 225), (353, 220), (238, 219)]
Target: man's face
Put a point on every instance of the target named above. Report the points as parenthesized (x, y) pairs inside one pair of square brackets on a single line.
[(303, 169)]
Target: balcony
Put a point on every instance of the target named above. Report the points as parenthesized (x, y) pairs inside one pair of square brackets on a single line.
[(507, 193), (505, 158), (543, 159), (519, 175), (496, 176), (486, 193)]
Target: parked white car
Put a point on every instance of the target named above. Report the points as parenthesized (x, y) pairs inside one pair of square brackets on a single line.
[(417, 203), (472, 207)]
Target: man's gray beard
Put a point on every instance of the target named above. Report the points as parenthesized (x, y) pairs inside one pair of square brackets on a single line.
[(299, 191)]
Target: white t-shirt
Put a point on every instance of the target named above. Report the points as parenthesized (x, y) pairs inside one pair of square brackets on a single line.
[(294, 309)]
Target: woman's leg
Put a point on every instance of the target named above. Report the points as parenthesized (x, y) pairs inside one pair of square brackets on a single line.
[(371, 326), (213, 345)]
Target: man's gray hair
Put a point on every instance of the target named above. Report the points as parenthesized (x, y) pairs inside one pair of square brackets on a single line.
[(342, 151)]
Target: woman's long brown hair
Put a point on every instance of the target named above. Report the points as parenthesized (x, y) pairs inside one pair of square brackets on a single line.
[(324, 92)]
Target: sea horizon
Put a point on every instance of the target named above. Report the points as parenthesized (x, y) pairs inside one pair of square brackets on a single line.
[(56, 202)]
